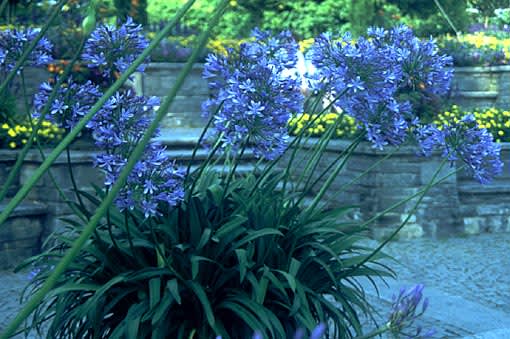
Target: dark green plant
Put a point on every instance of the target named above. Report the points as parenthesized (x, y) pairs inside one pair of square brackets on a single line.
[(136, 9), (426, 19), (252, 261)]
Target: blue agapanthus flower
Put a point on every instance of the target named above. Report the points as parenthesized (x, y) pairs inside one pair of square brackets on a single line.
[(367, 77), (117, 129), (72, 102), (423, 68), (464, 141), (252, 99), (14, 41), (111, 49)]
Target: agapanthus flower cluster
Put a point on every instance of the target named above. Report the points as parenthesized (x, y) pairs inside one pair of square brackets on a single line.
[(424, 69), (117, 129), (252, 101), (14, 41), (366, 78), (112, 50), (72, 102), (464, 140), (120, 124), (404, 312)]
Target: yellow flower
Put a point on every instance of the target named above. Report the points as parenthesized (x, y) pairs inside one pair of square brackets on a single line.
[(12, 144), (12, 133), (5, 126), (501, 133)]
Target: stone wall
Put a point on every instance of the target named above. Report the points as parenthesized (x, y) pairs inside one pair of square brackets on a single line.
[(185, 110), (486, 208), (481, 87), (40, 214), (44, 191), (457, 205), (22, 234)]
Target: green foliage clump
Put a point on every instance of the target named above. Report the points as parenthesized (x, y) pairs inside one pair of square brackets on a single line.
[(232, 259), (426, 19), (235, 23)]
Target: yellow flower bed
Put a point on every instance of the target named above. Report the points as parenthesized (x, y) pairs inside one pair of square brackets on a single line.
[(496, 121), (481, 40), (316, 125), (16, 135)]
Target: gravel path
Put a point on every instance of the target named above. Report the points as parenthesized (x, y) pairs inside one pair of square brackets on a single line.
[(467, 281)]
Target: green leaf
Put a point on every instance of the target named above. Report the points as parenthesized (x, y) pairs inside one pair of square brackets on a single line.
[(154, 291), (202, 297), (294, 266), (290, 279), (252, 235), (243, 263), (243, 313), (162, 309), (229, 226), (173, 287), (206, 235), (133, 319)]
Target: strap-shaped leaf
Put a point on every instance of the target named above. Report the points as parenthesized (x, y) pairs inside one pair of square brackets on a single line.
[(204, 301), (154, 291), (173, 288), (255, 234), (237, 221)]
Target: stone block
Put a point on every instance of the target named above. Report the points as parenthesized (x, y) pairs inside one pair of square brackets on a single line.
[(411, 231), (473, 225), (21, 234)]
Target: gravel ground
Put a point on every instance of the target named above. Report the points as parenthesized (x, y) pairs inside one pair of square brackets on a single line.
[(466, 279), (476, 268)]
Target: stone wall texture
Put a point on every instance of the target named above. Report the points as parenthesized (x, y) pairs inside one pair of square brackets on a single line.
[(481, 87), (457, 205), (185, 111), (43, 210)]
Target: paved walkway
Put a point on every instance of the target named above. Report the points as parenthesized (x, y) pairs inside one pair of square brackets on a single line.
[(467, 281)]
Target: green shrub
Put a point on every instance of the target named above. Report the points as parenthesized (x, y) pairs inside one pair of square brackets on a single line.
[(251, 261)]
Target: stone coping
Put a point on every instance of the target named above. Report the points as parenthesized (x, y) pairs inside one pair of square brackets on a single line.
[(189, 136), (478, 94), (33, 156), (366, 147), (481, 69), (26, 209)]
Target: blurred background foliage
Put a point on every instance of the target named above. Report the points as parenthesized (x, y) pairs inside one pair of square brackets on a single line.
[(306, 18)]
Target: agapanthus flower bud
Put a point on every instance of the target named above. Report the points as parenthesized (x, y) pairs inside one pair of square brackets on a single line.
[(13, 42), (404, 311), (253, 99)]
